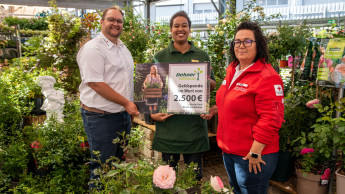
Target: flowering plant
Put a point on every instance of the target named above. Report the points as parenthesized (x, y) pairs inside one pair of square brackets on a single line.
[(217, 184), (316, 147), (164, 177)]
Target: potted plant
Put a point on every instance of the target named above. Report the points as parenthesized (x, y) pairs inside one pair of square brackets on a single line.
[(298, 118), (315, 163), (339, 140), (294, 42), (275, 51)]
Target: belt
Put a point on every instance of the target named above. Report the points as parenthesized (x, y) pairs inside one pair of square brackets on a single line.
[(93, 109)]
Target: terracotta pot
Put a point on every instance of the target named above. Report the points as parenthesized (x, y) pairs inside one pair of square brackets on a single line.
[(283, 63), (310, 184), (340, 182)]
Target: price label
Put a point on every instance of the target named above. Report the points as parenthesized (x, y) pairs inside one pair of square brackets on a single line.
[(188, 98), (187, 88)]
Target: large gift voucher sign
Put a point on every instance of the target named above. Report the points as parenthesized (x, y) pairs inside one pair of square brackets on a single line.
[(179, 88)]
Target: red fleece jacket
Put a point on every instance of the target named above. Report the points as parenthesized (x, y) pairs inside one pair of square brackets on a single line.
[(252, 108)]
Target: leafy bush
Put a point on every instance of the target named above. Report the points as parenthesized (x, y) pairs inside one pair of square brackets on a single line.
[(32, 24)]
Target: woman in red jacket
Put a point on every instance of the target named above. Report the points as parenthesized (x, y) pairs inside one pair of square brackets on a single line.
[(250, 107)]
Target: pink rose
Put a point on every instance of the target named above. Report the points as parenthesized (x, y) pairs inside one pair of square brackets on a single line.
[(310, 104), (164, 177), (217, 184), (307, 150), (326, 174)]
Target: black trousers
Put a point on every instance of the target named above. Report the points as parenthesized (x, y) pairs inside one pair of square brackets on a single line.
[(196, 158)]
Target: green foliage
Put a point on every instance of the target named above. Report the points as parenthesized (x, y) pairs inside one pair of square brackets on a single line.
[(292, 40), (60, 180), (59, 143), (153, 85), (10, 116), (20, 79), (298, 117), (324, 139), (13, 155), (159, 39), (59, 49), (32, 24), (221, 35), (134, 36)]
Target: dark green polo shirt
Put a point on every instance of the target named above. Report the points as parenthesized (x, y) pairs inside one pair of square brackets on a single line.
[(183, 134)]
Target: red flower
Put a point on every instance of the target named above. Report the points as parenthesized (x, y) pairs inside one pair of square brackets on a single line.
[(326, 174), (84, 145), (36, 145)]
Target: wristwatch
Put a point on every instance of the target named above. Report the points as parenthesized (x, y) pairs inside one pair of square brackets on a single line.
[(253, 155)]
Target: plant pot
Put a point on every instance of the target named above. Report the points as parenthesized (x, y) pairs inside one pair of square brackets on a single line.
[(284, 167), (38, 102), (310, 184), (340, 185), (283, 63)]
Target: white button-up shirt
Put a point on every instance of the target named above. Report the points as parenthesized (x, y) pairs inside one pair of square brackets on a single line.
[(100, 60)]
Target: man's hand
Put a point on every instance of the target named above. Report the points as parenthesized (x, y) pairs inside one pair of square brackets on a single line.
[(160, 116), (131, 108)]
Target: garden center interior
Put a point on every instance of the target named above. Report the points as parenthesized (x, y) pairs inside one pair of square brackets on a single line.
[(306, 43)]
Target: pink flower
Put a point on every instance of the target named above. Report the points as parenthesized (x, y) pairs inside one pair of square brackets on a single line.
[(307, 150), (164, 177), (310, 104), (326, 174), (36, 145), (217, 184)]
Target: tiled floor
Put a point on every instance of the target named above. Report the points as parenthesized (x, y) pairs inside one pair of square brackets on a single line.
[(213, 163)]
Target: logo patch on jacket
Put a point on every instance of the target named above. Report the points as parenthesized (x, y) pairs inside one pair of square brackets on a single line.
[(241, 87), (279, 90), (224, 82)]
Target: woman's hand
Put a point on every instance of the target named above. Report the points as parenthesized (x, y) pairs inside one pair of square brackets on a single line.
[(160, 116), (254, 163), (213, 111)]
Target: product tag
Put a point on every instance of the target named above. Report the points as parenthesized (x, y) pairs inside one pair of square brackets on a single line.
[(224, 82), (324, 182)]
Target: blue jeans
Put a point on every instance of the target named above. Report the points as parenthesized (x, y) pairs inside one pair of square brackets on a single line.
[(101, 129), (245, 182), (172, 160)]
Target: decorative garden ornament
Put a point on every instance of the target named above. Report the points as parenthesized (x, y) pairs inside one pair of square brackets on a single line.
[(54, 99)]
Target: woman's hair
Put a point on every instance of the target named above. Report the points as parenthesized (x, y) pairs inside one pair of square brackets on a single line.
[(114, 8), (180, 14), (260, 38), (156, 69)]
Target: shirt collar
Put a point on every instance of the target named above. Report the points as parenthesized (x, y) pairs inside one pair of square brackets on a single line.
[(108, 43), (172, 48), (238, 67)]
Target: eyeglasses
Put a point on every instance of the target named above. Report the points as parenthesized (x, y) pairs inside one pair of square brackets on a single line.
[(246, 43), (113, 20)]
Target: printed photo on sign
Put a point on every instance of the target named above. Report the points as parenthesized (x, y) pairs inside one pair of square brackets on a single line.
[(179, 88)]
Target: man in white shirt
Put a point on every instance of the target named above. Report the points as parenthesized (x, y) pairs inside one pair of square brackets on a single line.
[(106, 92)]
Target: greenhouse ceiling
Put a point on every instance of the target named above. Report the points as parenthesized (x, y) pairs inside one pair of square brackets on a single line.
[(79, 4)]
